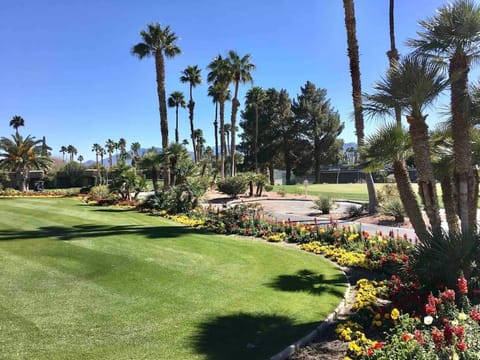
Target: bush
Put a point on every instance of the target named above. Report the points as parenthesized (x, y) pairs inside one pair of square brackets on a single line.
[(281, 192), (177, 199), (393, 207), (233, 185), (356, 211), (386, 192), (10, 192), (324, 204), (268, 187), (99, 192)]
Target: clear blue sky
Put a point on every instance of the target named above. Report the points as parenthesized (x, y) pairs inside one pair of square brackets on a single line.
[(66, 68)]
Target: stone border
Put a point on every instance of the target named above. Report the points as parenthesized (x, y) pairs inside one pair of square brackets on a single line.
[(342, 308)]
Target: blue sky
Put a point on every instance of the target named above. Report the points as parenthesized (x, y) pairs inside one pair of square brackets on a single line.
[(66, 66)]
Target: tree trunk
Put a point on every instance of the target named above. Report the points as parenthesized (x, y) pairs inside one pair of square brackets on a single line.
[(222, 139), (271, 173), (409, 200), (465, 176), (350, 25), (392, 54), (215, 126), (256, 139), (162, 101), (233, 120), (426, 181), (316, 152), (449, 203), (177, 137), (191, 107)]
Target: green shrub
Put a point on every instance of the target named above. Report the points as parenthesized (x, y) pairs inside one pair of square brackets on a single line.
[(174, 200), (10, 192), (232, 185), (386, 192), (99, 192), (355, 211), (324, 204), (282, 192), (393, 207), (268, 187)]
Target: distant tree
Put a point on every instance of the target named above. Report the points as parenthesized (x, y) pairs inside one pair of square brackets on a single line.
[(220, 76), (240, 72), (134, 148), (96, 150), (192, 76), (16, 122), (151, 161), (200, 143), (122, 148), (72, 150), (45, 148), (110, 146), (159, 43), (22, 155), (63, 150), (80, 158), (255, 97), (176, 100)]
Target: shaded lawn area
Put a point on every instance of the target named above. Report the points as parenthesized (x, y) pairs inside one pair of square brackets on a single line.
[(82, 282)]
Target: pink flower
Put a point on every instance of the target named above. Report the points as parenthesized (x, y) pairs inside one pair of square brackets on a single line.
[(462, 285)]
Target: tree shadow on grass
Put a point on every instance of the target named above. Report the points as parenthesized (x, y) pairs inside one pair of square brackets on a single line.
[(308, 281), (247, 336), (95, 231)]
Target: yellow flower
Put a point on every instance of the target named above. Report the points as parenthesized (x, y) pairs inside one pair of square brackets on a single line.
[(395, 314)]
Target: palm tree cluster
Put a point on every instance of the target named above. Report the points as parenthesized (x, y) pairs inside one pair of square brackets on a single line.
[(70, 150), (451, 37)]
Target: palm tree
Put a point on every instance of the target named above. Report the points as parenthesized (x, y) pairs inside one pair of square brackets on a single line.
[(96, 150), (63, 150), (392, 54), (176, 100), (453, 34), (134, 148), (110, 145), (351, 27), (122, 147), (227, 129), (240, 71), (151, 161), (256, 97), (80, 158), (219, 76), (159, 43), (413, 87), (192, 76), (200, 143), (16, 122), (391, 145), (72, 150), (22, 155)]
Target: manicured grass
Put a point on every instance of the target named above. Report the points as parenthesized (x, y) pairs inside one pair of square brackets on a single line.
[(80, 282)]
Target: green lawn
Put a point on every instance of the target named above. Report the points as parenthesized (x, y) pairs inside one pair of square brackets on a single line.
[(80, 282)]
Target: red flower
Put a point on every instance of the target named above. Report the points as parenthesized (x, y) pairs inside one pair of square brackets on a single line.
[(459, 331), (448, 334), (448, 295), (462, 285), (406, 337), (430, 309), (419, 337), (437, 337), (461, 346)]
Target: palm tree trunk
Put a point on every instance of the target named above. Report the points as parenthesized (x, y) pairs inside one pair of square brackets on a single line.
[(235, 104), (215, 126), (449, 203), (155, 181), (191, 106), (350, 25), (162, 101), (256, 139), (426, 181), (465, 176), (177, 137), (222, 139), (409, 200), (392, 54)]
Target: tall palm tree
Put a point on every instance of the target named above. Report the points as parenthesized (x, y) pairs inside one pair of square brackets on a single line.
[(392, 54), (134, 148), (200, 143), (63, 150), (96, 150), (80, 158), (22, 155), (72, 150), (16, 122), (453, 34), (352, 43), (212, 92), (110, 146), (176, 100), (193, 77), (159, 43), (391, 145), (256, 97), (122, 147), (413, 87), (240, 71), (219, 76)]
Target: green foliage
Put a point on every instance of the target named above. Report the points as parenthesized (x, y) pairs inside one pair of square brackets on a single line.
[(324, 204), (233, 185), (182, 198), (99, 192), (355, 211), (386, 192), (125, 181), (393, 207), (268, 187), (439, 260), (73, 171)]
